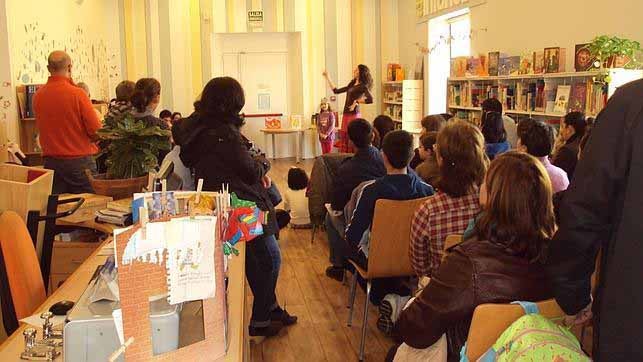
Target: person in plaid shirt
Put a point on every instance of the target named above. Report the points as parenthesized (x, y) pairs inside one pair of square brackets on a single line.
[(462, 160)]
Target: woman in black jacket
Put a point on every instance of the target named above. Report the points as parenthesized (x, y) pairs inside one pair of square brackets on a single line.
[(212, 144), (572, 130)]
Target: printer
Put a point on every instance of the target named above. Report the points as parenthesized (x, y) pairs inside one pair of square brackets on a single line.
[(90, 333)]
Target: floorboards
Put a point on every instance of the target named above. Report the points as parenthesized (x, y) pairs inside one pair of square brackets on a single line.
[(321, 333)]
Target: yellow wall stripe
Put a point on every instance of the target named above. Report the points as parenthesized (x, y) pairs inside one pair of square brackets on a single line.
[(195, 46)]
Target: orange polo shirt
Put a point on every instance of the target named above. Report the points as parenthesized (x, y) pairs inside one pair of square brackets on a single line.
[(65, 119)]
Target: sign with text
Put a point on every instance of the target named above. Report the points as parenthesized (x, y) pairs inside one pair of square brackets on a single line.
[(255, 19), (435, 8)]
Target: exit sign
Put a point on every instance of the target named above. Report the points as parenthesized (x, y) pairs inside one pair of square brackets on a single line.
[(255, 19)]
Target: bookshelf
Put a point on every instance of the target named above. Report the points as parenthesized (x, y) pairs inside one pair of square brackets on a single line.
[(27, 125), (534, 95), (403, 101)]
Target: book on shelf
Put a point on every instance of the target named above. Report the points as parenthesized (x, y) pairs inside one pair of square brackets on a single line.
[(458, 66), (539, 105), (554, 60), (473, 67), (539, 62), (562, 98), (509, 66), (526, 64), (493, 64), (578, 97), (583, 60)]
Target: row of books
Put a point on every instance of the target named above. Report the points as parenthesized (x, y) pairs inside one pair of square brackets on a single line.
[(394, 72), (25, 100), (548, 60), (394, 111), (535, 96)]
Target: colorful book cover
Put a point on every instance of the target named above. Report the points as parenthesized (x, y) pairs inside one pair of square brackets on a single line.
[(473, 67), (562, 99), (460, 66), (526, 64), (539, 62), (578, 98), (509, 65), (482, 70), (554, 60), (493, 63), (583, 60)]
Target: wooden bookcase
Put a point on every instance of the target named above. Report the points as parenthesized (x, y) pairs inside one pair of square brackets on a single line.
[(403, 101), (27, 128), (463, 104)]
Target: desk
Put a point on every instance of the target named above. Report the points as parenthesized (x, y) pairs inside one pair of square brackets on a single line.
[(299, 132), (74, 286)]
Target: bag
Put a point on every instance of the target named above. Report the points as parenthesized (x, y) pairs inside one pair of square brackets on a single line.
[(535, 338)]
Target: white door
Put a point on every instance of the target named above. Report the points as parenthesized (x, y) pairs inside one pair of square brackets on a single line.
[(264, 77)]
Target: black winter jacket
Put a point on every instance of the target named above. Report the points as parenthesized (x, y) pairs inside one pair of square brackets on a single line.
[(602, 209), (219, 154)]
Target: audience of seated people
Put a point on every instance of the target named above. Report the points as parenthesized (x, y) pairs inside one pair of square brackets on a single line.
[(572, 130), (495, 136), (494, 105), (428, 170), (430, 123), (537, 139), (382, 125), (366, 164), (502, 262), (398, 184)]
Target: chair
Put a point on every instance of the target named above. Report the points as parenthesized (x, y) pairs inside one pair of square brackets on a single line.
[(21, 281), (319, 191), (491, 320), (388, 250)]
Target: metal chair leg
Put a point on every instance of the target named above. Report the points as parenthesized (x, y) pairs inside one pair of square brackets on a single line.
[(351, 300), (364, 322)]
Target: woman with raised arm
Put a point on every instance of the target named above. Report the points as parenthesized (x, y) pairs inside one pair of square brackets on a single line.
[(357, 91)]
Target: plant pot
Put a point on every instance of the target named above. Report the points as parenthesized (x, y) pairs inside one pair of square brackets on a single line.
[(116, 188)]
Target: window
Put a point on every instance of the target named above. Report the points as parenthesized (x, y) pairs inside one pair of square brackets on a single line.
[(460, 35)]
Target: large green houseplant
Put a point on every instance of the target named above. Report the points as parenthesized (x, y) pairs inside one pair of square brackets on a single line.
[(615, 52), (131, 147)]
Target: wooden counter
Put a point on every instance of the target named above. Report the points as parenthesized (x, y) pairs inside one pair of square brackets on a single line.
[(75, 285)]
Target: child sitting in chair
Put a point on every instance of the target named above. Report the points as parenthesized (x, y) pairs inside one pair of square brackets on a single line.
[(295, 199)]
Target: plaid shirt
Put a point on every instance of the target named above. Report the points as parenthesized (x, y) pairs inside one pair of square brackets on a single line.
[(439, 217)]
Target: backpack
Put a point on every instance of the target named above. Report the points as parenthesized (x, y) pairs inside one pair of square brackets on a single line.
[(533, 337)]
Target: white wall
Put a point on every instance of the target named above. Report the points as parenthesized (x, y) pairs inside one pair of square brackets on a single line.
[(561, 23)]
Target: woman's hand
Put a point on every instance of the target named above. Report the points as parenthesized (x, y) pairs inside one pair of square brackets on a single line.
[(352, 107), (266, 181)]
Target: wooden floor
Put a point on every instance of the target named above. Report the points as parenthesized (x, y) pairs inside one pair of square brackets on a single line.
[(321, 333)]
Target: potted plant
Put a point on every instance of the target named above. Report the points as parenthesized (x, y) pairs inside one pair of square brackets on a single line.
[(615, 52), (131, 147)]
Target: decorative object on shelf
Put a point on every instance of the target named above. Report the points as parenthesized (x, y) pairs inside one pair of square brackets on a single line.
[(132, 149), (554, 60), (583, 59), (526, 64), (615, 52), (458, 66)]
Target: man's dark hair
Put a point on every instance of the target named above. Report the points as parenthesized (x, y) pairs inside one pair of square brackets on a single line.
[(433, 123), (578, 121), (493, 128), (165, 114), (536, 136), (428, 139), (297, 179), (222, 99), (360, 132), (398, 148)]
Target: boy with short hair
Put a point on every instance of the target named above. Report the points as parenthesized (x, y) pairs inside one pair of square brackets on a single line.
[(537, 139), (398, 184), (428, 170)]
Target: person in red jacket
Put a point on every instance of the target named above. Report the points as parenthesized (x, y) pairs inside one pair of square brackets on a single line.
[(67, 125)]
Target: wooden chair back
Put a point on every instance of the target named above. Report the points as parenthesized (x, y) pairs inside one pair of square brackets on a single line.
[(388, 254), (490, 320), (20, 262)]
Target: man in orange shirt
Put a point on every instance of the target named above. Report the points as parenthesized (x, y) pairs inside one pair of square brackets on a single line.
[(67, 124)]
